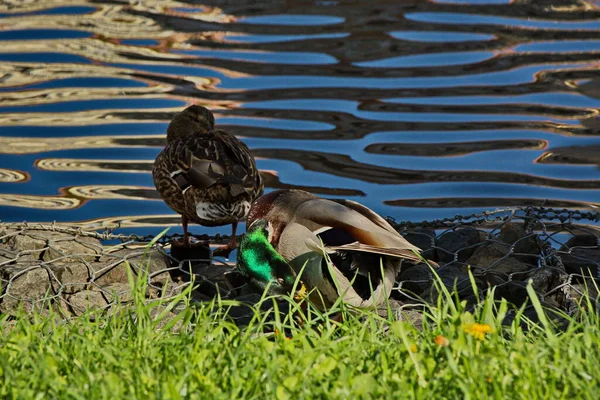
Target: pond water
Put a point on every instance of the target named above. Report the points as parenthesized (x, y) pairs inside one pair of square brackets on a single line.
[(418, 109)]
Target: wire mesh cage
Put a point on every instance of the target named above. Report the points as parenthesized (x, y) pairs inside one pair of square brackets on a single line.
[(557, 251), (70, 271)]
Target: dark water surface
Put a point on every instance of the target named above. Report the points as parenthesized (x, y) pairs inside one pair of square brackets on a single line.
[(417, 109)]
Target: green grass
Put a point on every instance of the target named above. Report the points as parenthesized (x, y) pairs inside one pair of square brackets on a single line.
[(202, 355)]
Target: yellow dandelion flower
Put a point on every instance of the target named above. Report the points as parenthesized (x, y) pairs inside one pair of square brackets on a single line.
[(441, 341), (478, 331), (413, 348)]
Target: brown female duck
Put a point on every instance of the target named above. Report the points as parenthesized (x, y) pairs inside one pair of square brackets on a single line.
[(205, 174)]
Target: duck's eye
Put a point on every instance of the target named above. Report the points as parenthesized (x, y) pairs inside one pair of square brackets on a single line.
[(280, 281)]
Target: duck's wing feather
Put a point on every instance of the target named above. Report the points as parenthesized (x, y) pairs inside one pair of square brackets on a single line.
[(200, 161), (387, 251), (368, 213), (362, 224), (243, 164), (350, 296)]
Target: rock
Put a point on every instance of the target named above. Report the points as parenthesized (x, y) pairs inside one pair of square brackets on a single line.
[(120, 292), (50, 245), (112, 268), (28, 247), (218, 280), (245, 290), (492, 260), (29, 285), (214, 272), (73, 249), (212, 289), (424, 239), (243, 313), (236, 279), (401, 312), (488, 251), (165, 319), (578, 292), (461, 242), (70, 277), (514, 292), (545, 279), (531, 314), (7, 255), (453, 276), (581, 255), (5, 260), (183, 271), (414, 279), (413, 316), (85, 300), (523, 242)]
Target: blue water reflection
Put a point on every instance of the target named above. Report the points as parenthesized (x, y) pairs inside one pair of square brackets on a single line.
[(419, 110)]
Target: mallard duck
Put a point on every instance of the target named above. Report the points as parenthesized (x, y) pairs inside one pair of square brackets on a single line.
[(205, 174), (339, 247)]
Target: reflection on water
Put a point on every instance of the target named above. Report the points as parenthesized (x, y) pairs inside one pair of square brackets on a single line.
[(418, 109), (10, 175)]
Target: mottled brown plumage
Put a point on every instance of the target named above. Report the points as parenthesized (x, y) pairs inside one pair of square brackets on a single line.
[(205, 174)]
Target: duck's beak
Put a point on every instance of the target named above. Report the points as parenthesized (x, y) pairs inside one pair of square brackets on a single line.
[(301, 292)]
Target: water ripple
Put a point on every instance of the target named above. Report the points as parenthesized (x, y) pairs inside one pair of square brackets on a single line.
[(417, 109)]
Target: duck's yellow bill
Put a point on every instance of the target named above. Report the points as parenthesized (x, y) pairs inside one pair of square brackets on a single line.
[(301, 292)]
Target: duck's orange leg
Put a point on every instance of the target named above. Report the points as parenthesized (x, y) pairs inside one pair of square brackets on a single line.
[(224, 251)]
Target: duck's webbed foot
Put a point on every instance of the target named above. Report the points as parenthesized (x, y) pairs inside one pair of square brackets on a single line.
[(224, 251)]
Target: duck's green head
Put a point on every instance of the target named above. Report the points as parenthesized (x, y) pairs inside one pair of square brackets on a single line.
[(263, 265)]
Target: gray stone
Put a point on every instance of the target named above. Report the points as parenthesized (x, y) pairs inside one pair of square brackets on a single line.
[(488, 250), (461, 242), (515, 235), (493, 256), (514, 292), (545, 279), (71, 277), (113, 268), (579, 291), (5, 260), (581, 255), (85, 300), (6, 234), (108, 270), (165, 319), (245, 290), (424, 239), (73, 250), (29, 248), (28, 286), (454, 276), (120, 292), (214, 272), (401, 312), (235, 279), (415, 279), (7, 255), (218, 280)]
